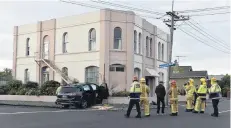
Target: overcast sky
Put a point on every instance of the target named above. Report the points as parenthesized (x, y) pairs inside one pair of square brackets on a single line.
[(198, 55)]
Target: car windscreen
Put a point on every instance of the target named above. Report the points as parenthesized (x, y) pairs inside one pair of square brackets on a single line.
[(70, 89)]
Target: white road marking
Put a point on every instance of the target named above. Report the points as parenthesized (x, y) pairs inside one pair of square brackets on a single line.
[(225, 111), (34, 112)]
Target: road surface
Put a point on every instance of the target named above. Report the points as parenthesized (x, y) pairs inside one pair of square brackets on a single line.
[(26, 117)]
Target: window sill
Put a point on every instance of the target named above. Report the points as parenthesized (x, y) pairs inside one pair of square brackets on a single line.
[(162, 61), (149, 57), (138, 54), (76, 52), (117, 50)]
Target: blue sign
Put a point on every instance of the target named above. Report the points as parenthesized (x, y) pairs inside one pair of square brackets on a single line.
[(166, 65)]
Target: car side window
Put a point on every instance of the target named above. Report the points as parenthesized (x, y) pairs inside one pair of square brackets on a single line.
[(86, 88), (93, 87)]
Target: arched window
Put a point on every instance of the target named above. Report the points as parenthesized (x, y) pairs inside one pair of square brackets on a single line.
[(117, 68), (150, 47), (92, 40), (26, 76), (45, 47), (159, 51), (45, 74), (27, 46), (65, 74), (92, 74), (118, 38), (139, 45), (162, 52), (137, 72), (65, 42), (135, 41), (147, 49)]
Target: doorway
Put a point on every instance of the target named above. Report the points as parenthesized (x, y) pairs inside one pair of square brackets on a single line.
[(150, 81)]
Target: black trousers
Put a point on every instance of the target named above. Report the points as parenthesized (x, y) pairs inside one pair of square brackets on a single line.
[(158, 104), (133, 102), (215, 106)]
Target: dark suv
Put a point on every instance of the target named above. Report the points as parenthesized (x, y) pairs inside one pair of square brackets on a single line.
[(81, 95)]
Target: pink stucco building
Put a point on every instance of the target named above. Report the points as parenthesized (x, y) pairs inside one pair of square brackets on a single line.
[(111, 43)]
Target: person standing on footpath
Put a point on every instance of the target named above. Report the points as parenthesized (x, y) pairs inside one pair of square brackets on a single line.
[(160, 94)]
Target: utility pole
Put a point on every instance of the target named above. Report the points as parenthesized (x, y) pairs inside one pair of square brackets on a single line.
[(174, 18)]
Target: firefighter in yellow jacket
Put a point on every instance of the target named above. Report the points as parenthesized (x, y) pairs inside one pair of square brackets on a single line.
[(201, 99), (214, 94), (144, 97), (190, 89), (173, 94)]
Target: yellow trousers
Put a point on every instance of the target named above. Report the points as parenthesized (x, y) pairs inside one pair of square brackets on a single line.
[(200, 105), (174, 106), (189, 100), (145, 103)]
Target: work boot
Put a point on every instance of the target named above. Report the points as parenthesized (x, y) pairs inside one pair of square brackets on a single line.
[(202, 112), (195, 111), (214, 115), (187, 110), (173, 114), (138, 116), (147, 115), (176, 114), (125, 115)]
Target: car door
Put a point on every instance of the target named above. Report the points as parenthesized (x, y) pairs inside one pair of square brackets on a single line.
[(87, 92)]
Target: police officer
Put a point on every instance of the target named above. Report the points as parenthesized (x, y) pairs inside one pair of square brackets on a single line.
[(135, 92), (214, 94), (201, 99)]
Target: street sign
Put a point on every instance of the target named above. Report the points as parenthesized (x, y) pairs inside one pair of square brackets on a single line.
[(166, 65)]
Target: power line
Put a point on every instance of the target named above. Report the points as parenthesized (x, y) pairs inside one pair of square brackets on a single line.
[(195, 28), (98, 7), (202, 41), (220, 13), (204, 9), (215, 37), (127, 7)]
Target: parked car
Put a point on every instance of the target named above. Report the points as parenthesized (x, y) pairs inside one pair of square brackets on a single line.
[(81, 95)]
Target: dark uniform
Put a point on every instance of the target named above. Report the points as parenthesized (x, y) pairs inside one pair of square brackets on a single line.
[(160, 93)]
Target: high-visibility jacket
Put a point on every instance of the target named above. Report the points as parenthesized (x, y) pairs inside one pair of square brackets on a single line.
[(190, 89), (202, 91), (135, 90), (214, 91)]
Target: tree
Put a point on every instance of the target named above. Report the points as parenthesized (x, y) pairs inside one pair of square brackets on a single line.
[(225, 84), (6, 72)]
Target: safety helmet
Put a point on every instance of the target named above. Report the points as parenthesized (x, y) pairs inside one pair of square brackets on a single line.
[(213, 79), (191, 81), (203, 80), (173, 82), (142, 80), (135, 78)]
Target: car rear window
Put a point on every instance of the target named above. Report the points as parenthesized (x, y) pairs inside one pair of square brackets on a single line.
[(70, 89)]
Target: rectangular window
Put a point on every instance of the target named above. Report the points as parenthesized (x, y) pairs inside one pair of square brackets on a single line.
[(147, 50), (150, 47), (135, 46), (112, 68), (119, 69)]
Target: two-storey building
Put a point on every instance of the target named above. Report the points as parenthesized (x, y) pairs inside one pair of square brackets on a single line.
[(107, 44)]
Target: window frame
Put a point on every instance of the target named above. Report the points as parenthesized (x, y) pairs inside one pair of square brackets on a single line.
[(92, 40), (139, 43), (65, 42), (139, 72), (116, 68), (147, 47), (26, 75), (92, 74), (117, 39), (135, 41), (159, 51), (150, 47), (28, 47)]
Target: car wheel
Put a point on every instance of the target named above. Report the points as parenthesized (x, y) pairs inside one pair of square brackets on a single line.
[(65, 106), (84, 104)]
